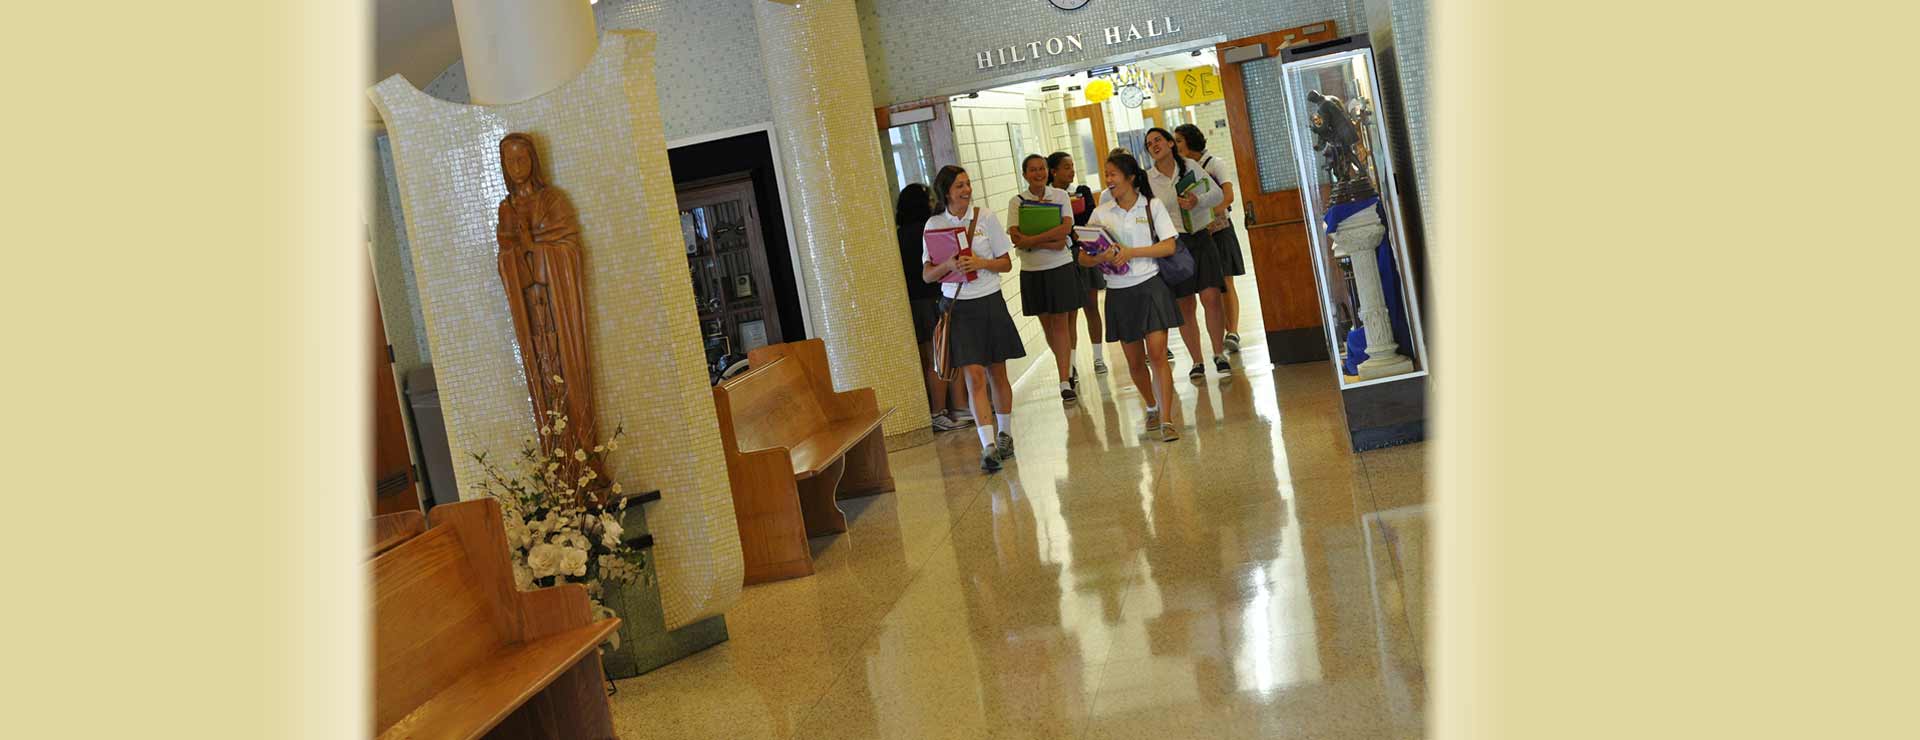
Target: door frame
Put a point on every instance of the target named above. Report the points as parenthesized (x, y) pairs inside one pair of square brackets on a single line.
[(1097, 118), (800, 273), (1275, 222)]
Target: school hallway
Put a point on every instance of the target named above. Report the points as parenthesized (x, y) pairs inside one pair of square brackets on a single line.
[(1253, 579)]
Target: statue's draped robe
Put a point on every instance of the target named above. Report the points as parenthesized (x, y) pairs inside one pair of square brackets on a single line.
[(544, 286)]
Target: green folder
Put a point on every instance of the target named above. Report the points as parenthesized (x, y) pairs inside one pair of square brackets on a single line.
[(1039, 218), (1187, 182)]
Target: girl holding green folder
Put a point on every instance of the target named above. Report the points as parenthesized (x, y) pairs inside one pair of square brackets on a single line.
[(1182, 182), (1060, 169), (1041, 220)]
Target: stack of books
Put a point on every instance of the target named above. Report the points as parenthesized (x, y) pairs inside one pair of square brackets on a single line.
[(1095, 241)]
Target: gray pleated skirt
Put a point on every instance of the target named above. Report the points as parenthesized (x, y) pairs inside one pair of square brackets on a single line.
[(981, 332), (1134, 312), (1056, 290)]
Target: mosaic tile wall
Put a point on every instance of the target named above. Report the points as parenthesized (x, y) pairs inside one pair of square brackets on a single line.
[(600, 140), (840, 206), (1267, 115), (1411, 54), (927, 49), (709, 57)]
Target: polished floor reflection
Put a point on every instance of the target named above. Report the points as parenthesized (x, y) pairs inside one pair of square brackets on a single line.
[(1253, 579)]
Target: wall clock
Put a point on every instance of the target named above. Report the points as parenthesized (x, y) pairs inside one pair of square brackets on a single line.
[(1069, 4), (1132, 96)]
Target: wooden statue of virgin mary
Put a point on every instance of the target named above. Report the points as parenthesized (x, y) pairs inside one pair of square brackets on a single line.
[(540, 266)]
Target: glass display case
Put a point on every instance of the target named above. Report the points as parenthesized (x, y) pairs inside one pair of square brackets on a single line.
[(1338, 124)]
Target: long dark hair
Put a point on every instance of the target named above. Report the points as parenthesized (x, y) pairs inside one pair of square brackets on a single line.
[(1179, 162), (914, 206), (1129, 168), (1053, 163), (1196, 141), (943, 182)]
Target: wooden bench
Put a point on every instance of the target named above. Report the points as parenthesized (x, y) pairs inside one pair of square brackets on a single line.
[(794, 446), (458, 652)]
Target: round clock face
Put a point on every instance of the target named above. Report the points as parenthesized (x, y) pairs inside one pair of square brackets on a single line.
[(1069, 4), (1131, 96)]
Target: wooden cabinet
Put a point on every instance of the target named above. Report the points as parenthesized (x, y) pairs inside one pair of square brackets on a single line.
[(727, 262)]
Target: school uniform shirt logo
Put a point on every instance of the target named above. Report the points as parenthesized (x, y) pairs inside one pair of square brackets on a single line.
[(1069, 4)]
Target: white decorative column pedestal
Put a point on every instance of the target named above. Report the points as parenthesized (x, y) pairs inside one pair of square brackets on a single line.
[(1356, 240)]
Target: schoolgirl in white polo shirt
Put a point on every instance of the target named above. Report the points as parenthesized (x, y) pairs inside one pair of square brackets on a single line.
[(981, 336), (1140, 307), (1189, 142), (1049, 281), (1195, 212)]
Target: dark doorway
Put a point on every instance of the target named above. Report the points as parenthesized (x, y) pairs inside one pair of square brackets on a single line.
[(752, 155)]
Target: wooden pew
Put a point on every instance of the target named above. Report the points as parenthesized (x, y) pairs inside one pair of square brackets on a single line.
[(389, 530), (460, 653), (794, 445)]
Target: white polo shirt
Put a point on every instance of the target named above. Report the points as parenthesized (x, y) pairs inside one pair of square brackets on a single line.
[(1208, 193), (1034, 260), (989, 241), (1129, 226)]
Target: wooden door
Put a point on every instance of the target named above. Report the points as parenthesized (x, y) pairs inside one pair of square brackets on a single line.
[(1277, 233), (1088, 150), (391, 480), (1155, 118)]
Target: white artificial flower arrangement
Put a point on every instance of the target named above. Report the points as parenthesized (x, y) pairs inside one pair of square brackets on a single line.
[(560, 525)]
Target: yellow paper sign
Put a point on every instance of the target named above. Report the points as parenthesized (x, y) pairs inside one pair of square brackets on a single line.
[(1198, 85)]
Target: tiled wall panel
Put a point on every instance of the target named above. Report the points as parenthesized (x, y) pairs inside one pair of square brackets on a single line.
[(922, 49), (600, 142)]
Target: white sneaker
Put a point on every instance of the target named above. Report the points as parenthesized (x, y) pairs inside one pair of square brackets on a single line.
[(1099, 366), (945, 423), (962, 416)]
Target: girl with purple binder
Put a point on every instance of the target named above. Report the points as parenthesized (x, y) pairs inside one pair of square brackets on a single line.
[(1140, 307)]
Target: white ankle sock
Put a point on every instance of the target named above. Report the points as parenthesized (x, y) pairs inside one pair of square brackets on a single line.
[(1005, 421), (1065, 385), (986, 435), (1096, 349)]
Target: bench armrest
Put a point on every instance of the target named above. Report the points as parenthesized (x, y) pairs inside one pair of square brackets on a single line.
[(552, 610)]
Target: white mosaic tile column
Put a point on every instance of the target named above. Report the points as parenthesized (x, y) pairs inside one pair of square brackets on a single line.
[(838, 200), (600, 140)]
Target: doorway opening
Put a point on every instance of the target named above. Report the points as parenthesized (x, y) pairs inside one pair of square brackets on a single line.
[(1087, 115)]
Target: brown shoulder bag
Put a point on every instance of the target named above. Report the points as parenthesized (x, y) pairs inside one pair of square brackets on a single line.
[(942, 352)]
